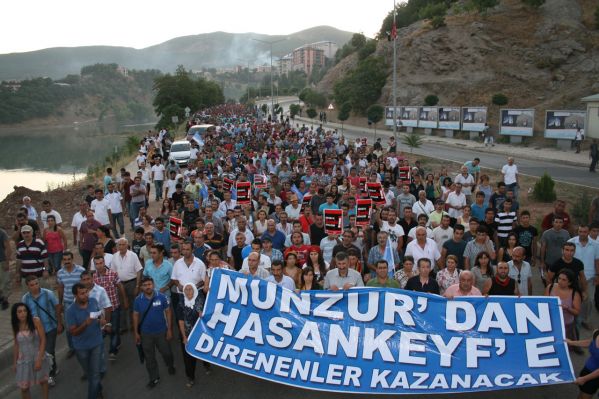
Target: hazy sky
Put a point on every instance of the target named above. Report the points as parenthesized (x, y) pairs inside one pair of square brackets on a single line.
[(35, 24)]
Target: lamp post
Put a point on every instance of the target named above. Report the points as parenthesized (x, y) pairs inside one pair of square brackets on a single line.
[(394, 37), (270, 43)]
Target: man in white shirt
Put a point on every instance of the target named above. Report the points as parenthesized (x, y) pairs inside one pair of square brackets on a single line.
[(254, 269), (241, 228), (115, 203), (101, 208), (158, 178), (294, 209), (188, 269), (47, 210), (79, 218), (422, 206), (510, 176), (456, 201), (443, 232), (396, 232), (128, 267), (423, 247), (277, 275), (467, 182), (171, 185)]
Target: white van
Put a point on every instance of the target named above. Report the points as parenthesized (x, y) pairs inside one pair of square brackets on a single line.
[(180, 152)]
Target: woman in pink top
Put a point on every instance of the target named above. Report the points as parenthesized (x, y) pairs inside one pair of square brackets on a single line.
[(56, 243)]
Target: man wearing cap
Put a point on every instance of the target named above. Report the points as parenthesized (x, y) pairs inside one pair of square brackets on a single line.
[(32, 256)]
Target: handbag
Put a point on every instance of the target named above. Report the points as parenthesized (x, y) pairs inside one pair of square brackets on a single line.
[(140, 349)]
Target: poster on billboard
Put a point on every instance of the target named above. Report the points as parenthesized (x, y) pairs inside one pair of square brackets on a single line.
[(563, 124), (474, 119), (409, 116), (449, 118), (516, 122), (427, 117), (389, 115)]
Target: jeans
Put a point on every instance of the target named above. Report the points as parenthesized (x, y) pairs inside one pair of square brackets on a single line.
[(134, 212), (117, 218), (65, 306), (115, 335), (91, 363), (5, 282), (54, 261), (158, 186), (86, 256), (151, 342), (51, 350)]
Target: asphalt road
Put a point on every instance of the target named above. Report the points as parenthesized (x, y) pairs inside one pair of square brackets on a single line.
[(533, 167), (127, 378)]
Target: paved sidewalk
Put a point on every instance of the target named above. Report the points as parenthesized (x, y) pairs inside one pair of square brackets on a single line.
[(515, 150)]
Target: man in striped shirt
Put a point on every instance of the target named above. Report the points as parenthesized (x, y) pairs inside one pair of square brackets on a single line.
[(506, 222), (32, 256)]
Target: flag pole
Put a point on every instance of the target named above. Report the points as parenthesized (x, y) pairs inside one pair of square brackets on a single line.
[(394, 37)]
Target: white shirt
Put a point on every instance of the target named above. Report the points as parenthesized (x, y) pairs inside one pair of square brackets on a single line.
[(419, 208), (224, 206), (107, 261), (78, 218), (101, 209), (287, 229), (389, 197), (171, 185), (326, 245), (99, 294), (286, 282), (125, 266), (158, 171), (44, 217), (193, 273), (395, 232), (114, 201), (509, 173), (455, 199), (524, 275), (430, 251), (264, 263), (467, 190), (306, 239), (440, 235), (293, 213), (249, 237)]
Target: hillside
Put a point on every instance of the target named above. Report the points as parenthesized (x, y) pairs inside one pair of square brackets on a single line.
[(546, 58), (194, 52)]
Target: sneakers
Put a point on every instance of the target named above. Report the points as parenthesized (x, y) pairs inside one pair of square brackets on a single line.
[(51, 381), (190, 383), (153, 383), (171, 370), (112, 356)]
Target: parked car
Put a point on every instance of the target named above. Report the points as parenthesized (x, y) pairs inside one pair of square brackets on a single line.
[(180, 152)]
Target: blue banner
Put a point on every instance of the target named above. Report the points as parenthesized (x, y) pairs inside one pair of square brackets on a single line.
[(380, 340)]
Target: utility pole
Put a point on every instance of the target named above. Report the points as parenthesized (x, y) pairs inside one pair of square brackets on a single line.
[(272, 100), (394, 37)]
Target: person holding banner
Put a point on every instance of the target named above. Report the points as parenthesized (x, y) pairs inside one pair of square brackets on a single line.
[(423, 282), (465, 287), (566, 288), (377, 252), (382, 278), (342, 277), (308, 280), (588, 380)]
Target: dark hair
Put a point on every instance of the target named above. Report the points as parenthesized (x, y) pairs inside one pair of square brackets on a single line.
[(321, 266), (46, 202), (424, 260), (76, 287), (98, 257), (572, 279), (257, 241), (458, 226), (145, 279), (568, 244), (105, 230), (489, 272), (53, 218), (85, 273), (67, 253), (524, 213), (408, 258), (98, 190), (385, 262), (307, 269), (31, 277), (15, 320), (340, 256), (276, 262), (139, 230)]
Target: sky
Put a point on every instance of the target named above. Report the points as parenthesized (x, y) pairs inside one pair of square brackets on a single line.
[(36, 24)]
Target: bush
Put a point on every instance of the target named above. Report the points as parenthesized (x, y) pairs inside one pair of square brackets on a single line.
[(499, 99), (367, 49), (311, 112), (412, 140), (431, 100), (534, 3), (432, 10), (482, 5), (438, 21), (544, 189), (582, 208)]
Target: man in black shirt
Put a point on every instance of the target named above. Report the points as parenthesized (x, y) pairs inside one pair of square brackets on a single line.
[(236, 259), (491, 225), (317, 230), (568, 261), (407, 224), (424, 282), (455, 246)]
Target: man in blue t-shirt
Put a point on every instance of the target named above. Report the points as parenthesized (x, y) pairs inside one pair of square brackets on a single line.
[(85, 321), (152, 324)]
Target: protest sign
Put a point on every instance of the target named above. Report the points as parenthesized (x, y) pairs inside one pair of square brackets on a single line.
[(377, 340), (333, 221), (363, 207), (375, 192), (228, 184), (306, 201), (244, 192), (174, 227), (363, 192), (260, 181)]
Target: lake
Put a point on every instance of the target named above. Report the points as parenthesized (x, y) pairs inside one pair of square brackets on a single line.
[(42, 158)]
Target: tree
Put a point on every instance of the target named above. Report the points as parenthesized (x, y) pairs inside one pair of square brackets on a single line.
[(499, 99), (362, 87), (437, 21), (412, 140), (344, 113), (534, 3), (294, 110), (482, 5), (431, 100), (375, 113), (544, 189), (311, 112), (358, 40)]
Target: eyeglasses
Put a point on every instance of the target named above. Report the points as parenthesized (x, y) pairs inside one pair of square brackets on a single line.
[(519, 278)]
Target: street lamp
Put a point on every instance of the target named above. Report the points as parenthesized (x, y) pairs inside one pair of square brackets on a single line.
[(270, 43)]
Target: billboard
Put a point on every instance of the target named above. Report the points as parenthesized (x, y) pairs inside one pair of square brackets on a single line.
[(449, 118), (516, 122), (563, 124), (474, 119), (389, 115), (409, 116), (427, 117)]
